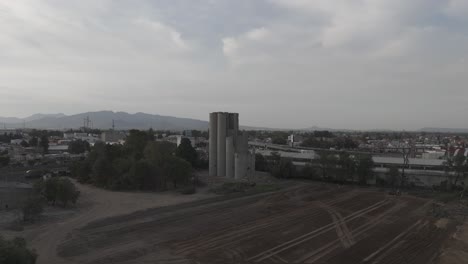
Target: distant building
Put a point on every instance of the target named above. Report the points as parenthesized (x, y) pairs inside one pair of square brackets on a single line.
[(188, 133), (16, 141), (58, 149), (82, 136), (112, 136), (295, 140), (433, 155), (79, 135)]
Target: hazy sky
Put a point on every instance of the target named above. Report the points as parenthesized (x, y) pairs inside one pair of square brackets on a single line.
[(398, 64)]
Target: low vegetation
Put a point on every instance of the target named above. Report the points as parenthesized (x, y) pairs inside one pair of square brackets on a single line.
[(15, 251), (244, 187)]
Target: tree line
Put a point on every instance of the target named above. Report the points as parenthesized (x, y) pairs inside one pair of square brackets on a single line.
[(318, 140), (7, 137), (140, 164), (336, 167)]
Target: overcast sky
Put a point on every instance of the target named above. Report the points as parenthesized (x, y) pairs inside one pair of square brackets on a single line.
[(363, 64)]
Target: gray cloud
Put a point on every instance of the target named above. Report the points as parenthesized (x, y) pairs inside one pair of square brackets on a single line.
[(281, 63)]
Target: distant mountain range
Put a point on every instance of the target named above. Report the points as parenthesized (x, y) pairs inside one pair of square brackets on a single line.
[(103, 120), (124, 121)]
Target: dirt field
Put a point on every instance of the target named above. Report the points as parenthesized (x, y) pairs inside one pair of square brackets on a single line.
[(94, 203), (308, 224)]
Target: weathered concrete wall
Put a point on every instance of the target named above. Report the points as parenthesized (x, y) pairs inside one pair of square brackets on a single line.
[(230, 164), (245, 165), (213, 147), (240, 166), (221, 161), (236, 128)]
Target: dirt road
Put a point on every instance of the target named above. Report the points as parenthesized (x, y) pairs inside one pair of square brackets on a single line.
[(95, 204), (306, 224)]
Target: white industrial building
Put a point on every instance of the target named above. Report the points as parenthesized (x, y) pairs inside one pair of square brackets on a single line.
[(229, 154)]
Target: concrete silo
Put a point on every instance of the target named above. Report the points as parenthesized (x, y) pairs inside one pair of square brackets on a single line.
[(230, 165), (213, 144), (229, 154), (221, 144)]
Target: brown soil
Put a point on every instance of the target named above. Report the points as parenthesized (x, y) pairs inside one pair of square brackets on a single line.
[(456, 251), (94, 204), (311, 223)]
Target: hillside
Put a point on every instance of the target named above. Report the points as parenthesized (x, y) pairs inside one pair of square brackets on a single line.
[(103, 120)]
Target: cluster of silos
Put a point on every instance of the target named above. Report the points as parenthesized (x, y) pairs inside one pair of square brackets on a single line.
[(229, 154)]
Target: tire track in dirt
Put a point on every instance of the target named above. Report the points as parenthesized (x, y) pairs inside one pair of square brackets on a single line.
[(383, 251), (240, 230), (357, 234), (341, 227), (308, 236)]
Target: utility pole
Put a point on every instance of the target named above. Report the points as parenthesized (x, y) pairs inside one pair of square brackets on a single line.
[(113, 124)]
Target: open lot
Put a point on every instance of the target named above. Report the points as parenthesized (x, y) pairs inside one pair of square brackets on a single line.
[(94, 204), (311, 223)]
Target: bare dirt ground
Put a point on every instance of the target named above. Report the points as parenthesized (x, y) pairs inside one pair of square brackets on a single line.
[(94, 204), (310, 223), (457, 249)]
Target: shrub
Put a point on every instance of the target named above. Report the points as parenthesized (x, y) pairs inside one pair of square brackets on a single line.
[(15, 251), (32, 209), (58, 189)]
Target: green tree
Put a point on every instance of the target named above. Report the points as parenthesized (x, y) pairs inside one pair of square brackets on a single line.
[(66, 191), (460, 167), (15, 252), (78, 146), (186, 152), (44, 144), (327, 163), (58, 189), (346, 166), (102, 171), (284, 169), (156, 151), (136, 142), (274, 160), (4, 161), (32, 209), (261, 163), (81, 170), (24, 144), (50, 190), (393, 176), (177, 170), (308, 172), (279, 140), (151, 136), (365, 166), (33, 142)]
